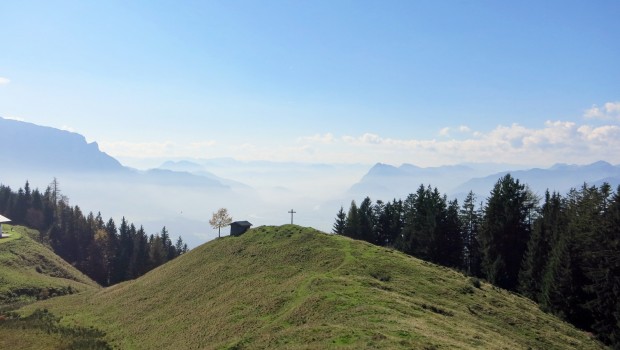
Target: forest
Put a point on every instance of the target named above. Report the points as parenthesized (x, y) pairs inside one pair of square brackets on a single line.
[(562, 251), (106, 253)]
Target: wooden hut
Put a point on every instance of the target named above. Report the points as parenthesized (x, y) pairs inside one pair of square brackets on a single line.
[(238, 228)]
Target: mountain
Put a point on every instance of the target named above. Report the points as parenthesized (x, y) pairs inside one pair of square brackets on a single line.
[(30, 271), (385, 181), (32, 147), (97, 182), (560, 178), (296, 288)]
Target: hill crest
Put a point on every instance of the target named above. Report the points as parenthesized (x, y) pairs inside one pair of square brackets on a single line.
[(295, 287)]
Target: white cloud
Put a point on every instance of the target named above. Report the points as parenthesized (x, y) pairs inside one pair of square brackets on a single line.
[(552, 142), (555, 141), (464, 129), (4, 81), (444, 132), (610, 110)]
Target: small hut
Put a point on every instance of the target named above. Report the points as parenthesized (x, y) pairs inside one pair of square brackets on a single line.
[(238, 228), (2, 220)]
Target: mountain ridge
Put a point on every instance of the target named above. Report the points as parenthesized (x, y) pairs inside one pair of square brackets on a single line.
[(387, 181)]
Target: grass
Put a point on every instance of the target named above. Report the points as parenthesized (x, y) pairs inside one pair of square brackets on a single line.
[(30, 271), (296, 288)]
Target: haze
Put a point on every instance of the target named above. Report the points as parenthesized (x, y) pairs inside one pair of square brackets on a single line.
[(304, 85)]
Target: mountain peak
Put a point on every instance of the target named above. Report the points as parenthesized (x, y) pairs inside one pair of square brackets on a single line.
[(45, 148)]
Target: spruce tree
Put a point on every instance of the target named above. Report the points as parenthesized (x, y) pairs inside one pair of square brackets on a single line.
[(341, 222), (505, 232), (366, 221), (470, 221), (352, 228), (546, 230)]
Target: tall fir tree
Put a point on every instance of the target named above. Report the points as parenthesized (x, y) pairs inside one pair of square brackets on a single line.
[(352, 228), (546, 231), (470, 223), (505, 232), (341, 222)]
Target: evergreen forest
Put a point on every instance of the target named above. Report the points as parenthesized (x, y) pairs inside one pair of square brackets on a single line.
[(561, 250), (107, 253)]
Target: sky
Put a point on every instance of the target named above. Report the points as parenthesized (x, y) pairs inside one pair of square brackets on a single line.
[(422, 82)]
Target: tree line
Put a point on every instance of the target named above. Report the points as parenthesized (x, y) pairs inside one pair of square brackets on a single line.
[(562, 251), (106, 253)]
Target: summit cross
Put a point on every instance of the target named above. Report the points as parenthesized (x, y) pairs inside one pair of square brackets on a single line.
[(292, 212)]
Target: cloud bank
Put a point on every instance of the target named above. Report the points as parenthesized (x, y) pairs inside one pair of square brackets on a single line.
[(555, 141), (609, 111), (4, 81)]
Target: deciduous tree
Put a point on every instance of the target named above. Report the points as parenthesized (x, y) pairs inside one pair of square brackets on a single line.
[(220, 219)]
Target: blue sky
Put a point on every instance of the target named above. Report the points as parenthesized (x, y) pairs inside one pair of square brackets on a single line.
[(423, 82)]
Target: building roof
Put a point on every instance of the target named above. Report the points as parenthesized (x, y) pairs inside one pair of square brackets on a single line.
[(242, 223), (4, 219)]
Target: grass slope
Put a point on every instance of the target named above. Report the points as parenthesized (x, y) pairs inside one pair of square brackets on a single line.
[(30, 271), (296, 288)]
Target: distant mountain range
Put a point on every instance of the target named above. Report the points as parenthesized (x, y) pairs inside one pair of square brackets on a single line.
[(387, 182), (95, 181), (182, 194)]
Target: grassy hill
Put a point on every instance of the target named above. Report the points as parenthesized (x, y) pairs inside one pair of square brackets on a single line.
[(296, 288), (30, 271)]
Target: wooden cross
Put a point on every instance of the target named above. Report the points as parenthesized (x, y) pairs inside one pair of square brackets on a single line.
[(292, 212)]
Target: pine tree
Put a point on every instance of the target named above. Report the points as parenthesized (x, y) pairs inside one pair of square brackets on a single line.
[(505, 232), (604, 272), (546, 230), (352, 228), (449, 238), (470, 221), (341, 222), (366, 221)]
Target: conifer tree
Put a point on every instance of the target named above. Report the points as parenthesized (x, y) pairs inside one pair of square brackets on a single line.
[(470, 221), (505, 232), (341, 222), (352, 228), (366, 221), (448, 238), (546, 230)]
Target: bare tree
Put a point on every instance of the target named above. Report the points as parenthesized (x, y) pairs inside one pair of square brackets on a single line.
[(220, 219)]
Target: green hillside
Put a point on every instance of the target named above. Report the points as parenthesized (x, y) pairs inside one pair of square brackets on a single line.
[(30, 271), (296, 288)]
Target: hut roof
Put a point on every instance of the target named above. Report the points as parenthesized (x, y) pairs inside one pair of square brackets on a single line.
[(4, 219), (242, 223)]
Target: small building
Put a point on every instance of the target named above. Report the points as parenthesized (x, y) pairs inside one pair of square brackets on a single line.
[(2, 220), (238, 228)]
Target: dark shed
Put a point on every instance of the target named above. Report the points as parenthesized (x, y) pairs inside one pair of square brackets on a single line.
[(238, 228)]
